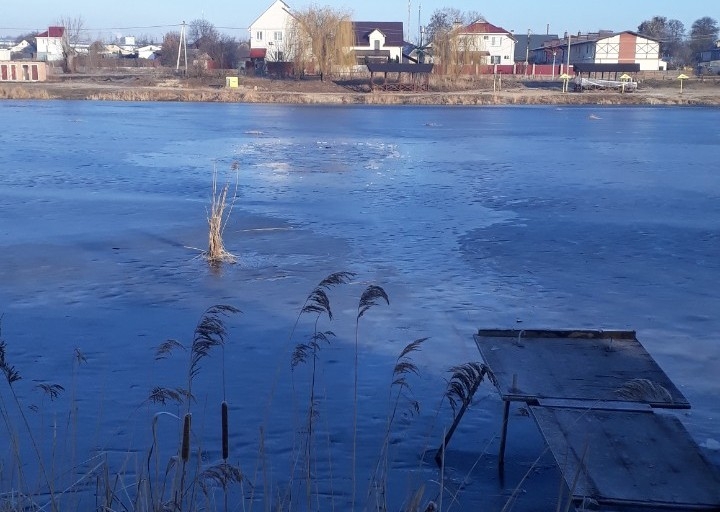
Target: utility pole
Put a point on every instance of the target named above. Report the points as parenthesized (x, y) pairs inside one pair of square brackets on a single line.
[(182, 46), (568, 55), (419, 24), (527, 53)]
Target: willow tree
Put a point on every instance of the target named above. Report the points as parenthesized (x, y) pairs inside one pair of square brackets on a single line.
[(321, 38), (455, 50), (453, 47)]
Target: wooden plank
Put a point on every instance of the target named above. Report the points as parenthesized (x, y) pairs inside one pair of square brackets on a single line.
[(573, 364), (629, 458), (596, 405)]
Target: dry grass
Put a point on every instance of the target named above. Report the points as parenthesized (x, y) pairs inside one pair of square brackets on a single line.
[(218, 217), (23, 93)]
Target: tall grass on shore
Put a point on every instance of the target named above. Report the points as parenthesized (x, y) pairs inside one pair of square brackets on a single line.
[(12, 376), (193, 477), (317, 303), (210, 334)]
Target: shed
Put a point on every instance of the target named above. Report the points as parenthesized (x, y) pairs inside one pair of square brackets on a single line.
[(400, 77)]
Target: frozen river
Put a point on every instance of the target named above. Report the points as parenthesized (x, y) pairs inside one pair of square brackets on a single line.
[(537, 217)]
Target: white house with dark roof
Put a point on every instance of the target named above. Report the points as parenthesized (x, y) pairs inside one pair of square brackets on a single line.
[(491, 41), (50, 44), (378, 41), (269, 34)]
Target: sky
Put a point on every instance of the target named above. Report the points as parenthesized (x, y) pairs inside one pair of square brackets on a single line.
[(105, 20)]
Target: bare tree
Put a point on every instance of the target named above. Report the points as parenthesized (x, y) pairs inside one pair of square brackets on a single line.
[(444, 20), (202, 34), (703, 33), (322, 37), (670, 33), (225, 51), (170, 48), (95, 54), (451, 47), (72, 35)]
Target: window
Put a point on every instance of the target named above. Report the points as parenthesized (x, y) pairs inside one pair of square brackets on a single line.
[(280, 56), (494, 41), (495, 59), (277, 36), (258, 35), (376, 44)]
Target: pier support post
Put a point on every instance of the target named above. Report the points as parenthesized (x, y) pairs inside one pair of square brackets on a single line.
[(503, 439)]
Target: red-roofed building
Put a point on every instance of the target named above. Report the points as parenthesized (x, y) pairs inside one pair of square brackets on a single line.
[(482, 36), (50, 44)]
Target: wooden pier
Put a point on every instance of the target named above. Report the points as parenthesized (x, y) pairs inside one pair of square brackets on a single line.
[(602, 404)]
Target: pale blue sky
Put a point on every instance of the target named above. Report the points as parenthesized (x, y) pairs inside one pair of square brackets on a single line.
[(134, 17)]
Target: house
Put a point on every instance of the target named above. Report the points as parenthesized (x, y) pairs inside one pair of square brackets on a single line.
[(50, 44), (269, 34), (526, 44), (493, 44), (606, 47), (111, 50), (11, 50), (709, 61), (378, 41)]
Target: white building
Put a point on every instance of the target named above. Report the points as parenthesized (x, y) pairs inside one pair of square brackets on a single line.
[(378, 41), (608, 48), (495, 43), (50, 44), (269, 34)]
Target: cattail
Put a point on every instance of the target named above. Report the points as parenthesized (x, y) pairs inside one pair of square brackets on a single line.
[(225, 449), (185, 452)]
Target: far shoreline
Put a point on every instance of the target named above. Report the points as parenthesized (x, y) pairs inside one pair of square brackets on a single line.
[(128, 87)]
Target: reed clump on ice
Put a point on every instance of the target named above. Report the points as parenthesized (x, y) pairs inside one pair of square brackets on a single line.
[(217, 217)]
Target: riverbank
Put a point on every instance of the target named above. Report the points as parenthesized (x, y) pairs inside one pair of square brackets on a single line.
[(124, 87)]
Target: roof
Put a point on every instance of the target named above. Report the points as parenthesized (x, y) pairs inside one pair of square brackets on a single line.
[(285, 7), (392, 30), (483, 27), (536, 41), (394, 67), (592, 37), (582, 67), (53, 32)]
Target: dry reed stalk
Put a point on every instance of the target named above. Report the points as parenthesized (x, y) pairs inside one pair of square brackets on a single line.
[(217, 220), (225, 444)]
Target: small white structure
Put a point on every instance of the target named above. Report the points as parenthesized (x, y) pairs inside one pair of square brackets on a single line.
[(378, 41), (269, 34), (149, 52), (481, 36), (4, 54), (50, 44)]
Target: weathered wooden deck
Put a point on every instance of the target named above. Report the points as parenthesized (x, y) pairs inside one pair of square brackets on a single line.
[(594, 396)]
